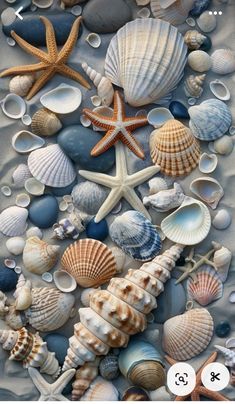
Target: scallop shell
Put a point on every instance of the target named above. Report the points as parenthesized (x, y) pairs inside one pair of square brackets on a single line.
[(208, 163), (174, 148), (189, 224), (157, 184), (193, 85), (223, 145), (21, 85), (223, 61), (38, 256), (101, 390), (220, 90), (222, 219), (88, 197), (194, 39), (135, 235), (90, 262), (207, 22), (199, 61), (20, 175), (187, 335), (13, 221), (25, 142), (165, 200), (208, 190), (206, 287), (176, 13), (84, 376), (86, 295), (64, 281), (15, 245), (141, 57), (104, 86), (222, 260), (45, 123), (51, 166), (109, 368), (63, 99), (209, 120)]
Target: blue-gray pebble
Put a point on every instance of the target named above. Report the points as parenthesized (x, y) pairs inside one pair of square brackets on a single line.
[(8, 279), (43, 211), (170, 303), (63, 191), (199, 7), (59, 344), (98, 231), (178, 110), (223, 329)]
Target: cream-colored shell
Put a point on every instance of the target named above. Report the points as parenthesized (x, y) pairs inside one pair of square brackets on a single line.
[(23, 294), (83, 378), (13, 221), (175, 13), (45, 123), (208, 190), (223, 61), (222, 260), (20, 175), (38, 256), (199, 61), (104, 86), (194, 39), (193, 85), (207, 21), (101, 390), (21, 85)]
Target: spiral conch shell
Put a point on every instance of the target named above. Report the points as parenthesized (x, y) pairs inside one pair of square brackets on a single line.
[(104, 86), (30, 349), (23, 293), (119, 311), (194, 39), (222, 260), (21, 85), (83, 378), (193, 85), (38, 256)]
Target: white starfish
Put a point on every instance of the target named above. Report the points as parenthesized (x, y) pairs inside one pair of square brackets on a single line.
[(122, 184), (51, 392)]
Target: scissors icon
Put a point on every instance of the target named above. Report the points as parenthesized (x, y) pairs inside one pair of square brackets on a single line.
[(215, 376)]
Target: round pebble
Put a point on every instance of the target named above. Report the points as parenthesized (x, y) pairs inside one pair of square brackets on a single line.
[(59, 344), (175, 297), (43, 211), (222, 329), (207, 44), (178, 110), (63, 191), (8, 279), (199, 7), (98, 231)]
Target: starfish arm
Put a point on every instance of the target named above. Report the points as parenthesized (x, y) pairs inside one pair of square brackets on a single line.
[(43, 56), (59, 385), (71, 41), (142, 176), (135, 202), (72, 74), (195, 395), (38, 381), (50, 38), (113, 198), (129, 140), (105, 143), (12, 71), (211, 359), (60, 397), (213, 395), (40, 82), (121, 165), (181, 398), (118, 106), (134, 123), (99, 178), (99, 121)]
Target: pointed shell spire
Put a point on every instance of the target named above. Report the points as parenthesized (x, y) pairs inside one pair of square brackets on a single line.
[(104, 85), (193, 85), (229, 355), (83, 378)]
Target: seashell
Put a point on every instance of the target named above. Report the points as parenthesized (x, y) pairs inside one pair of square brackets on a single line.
[(94, 40), (25, 142), (38, 256), (51, 166), (222, 260), (137, 62), (88, 197), (135, 235), (90, 262), (69, 227), (15, 245), (30, 349), (135, 394), (13, 106), (207, 22), (22, 200), (142, 2), (208, 190), (47, 277), (76, 10), (142, 364), (209, 120), (34, 187), (20, 175), (175, 13), (6, 190), (220, 90), (120, 258), (3, 304), (13, 221), (86, 295), (199, 61), (229, 355), (232, 297), (187, 335), (85, 121), (144, 12), (157, 184), (96, 100), (26, 120), (104, 86), (64, 281), (165, 200), (63, 99), (159, 116), (23, 293), (101, 390), (222, 219), (193, 85), (43, 3), (194, 39), (189, 224), (223, 61), (174, 148), (223, 145), (45, 123), (21, 85), (34, 232), (208, 163), (109, 368), (206, 287), (83, 377)]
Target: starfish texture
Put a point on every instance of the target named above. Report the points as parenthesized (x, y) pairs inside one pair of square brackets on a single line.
[(200, 390), (51, 392), (51, 63), (118, 127), (122, 184)]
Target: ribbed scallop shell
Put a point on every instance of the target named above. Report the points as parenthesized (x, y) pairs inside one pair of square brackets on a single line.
[(210, 120), (88, 197), (45, 123), (13, 221), (194, 39), (146, 58), (206, 287), (176, 13), (135, 235), (90, 262), (20, 175), (193, 85), (51, 166), (174, 148), (223, 61), (83, 378), (39, 256), (21, 85), (187, 335), (101, 390)]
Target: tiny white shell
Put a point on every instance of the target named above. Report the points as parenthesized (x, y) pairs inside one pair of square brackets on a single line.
[(94, 40), (207, 22), (220, 90), (76, 10), (191, 22), (63, 99), (230, 342), (67, 198), (15, 245), (9, 263), (18, 269), (223, 145), (232, 130), (96, 100), (23, 200), (47, 277), (85, 121), (34, 232), (25, 142), (63, 206), (64, 281), (26, 120), (157, 184), (6, 190), (222, 219), (158, 116), (13, 106), (199, 61), (208, 163), (144, 12), (34, 187), (232, 297)]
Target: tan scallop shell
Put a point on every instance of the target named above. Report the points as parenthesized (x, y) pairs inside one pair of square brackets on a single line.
[(90, 262), (45, 123), (38, 256), (194, 39), (187, 335), (176, 13), (174, 148)]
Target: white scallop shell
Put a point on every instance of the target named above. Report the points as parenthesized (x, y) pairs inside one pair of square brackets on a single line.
[(208, 163), (64, 281), (222, 219), (223, 61), (25, 142), (174, 12), (94, 40), (63, 99), (51, 166), (13, 106), (20, 175), (158, 116), (199, 61), (13, 221), (34, 187), (207, 22), (15, 245), (21, 85), (101, 390), (220, 90), (208, 190)]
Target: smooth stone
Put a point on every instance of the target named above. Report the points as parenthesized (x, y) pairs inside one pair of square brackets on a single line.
[(98, 231), (64, 191), (223, 329), (8, 279), (170, 303), (77, 142), (178, 110), (43, 211), (62, 23), (59, 344), (99, 17), (199, 7), (207, 44)]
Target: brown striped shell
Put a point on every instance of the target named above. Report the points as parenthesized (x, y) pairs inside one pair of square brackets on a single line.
[(45, 123)]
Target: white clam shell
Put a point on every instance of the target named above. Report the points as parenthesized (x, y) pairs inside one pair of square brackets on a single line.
[(26, 120), (43, 3), (85, 121), (158, 116), (39, 256), (208, 190), (199, 61), (13, 106), (96, 100), (220, 90), (63, 99), (34, 231), (13, 221), (207, 22), (6, 190), (172, 11), (23, 200), (64, 281), (222, 219), (20, 175), (94, 40), (223, 61), (230, 342), (34, 187), (189, 224), (223, 145), (21, 85), (15, 245), (208, 163), (25, 142)]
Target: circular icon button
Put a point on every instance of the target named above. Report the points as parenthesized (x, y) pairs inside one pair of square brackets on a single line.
[(181, 379), (215, 376)]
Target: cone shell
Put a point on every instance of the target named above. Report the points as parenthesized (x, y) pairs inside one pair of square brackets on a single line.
[(193, 85), (174, 148), (222, 260), (90, 262), (20, 175), (83, 378), (176, 13), (45, 123), (51, 166), (101, 390), (187, 335), (13, 221), (38, 256), (21, 85), (206, 287), (194, 39)]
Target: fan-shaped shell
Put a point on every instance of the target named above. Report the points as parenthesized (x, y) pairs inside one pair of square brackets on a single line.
[(13, 221), (210, 120), (157, 184), (88, 197), (101, 390), (45, 123), (187, 335), (20, 175), (38, 256), (51, 166), (135, 235), (193, 85), (208, 190), (146, 58), (90, 262), (174, 148), (194, 39), (21, 85), (175, 13), (206, 287), (223, 61)]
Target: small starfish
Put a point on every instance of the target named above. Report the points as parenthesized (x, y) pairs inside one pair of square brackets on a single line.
[(51, 392), (118, 128), (122, 185), (50, 63), (200, 390)]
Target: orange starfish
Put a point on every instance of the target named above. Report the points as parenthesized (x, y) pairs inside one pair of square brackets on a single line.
[(119, 127), (200, 390), (51, 63)]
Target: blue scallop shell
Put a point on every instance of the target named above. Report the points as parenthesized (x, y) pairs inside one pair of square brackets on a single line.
[(136, 236)]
